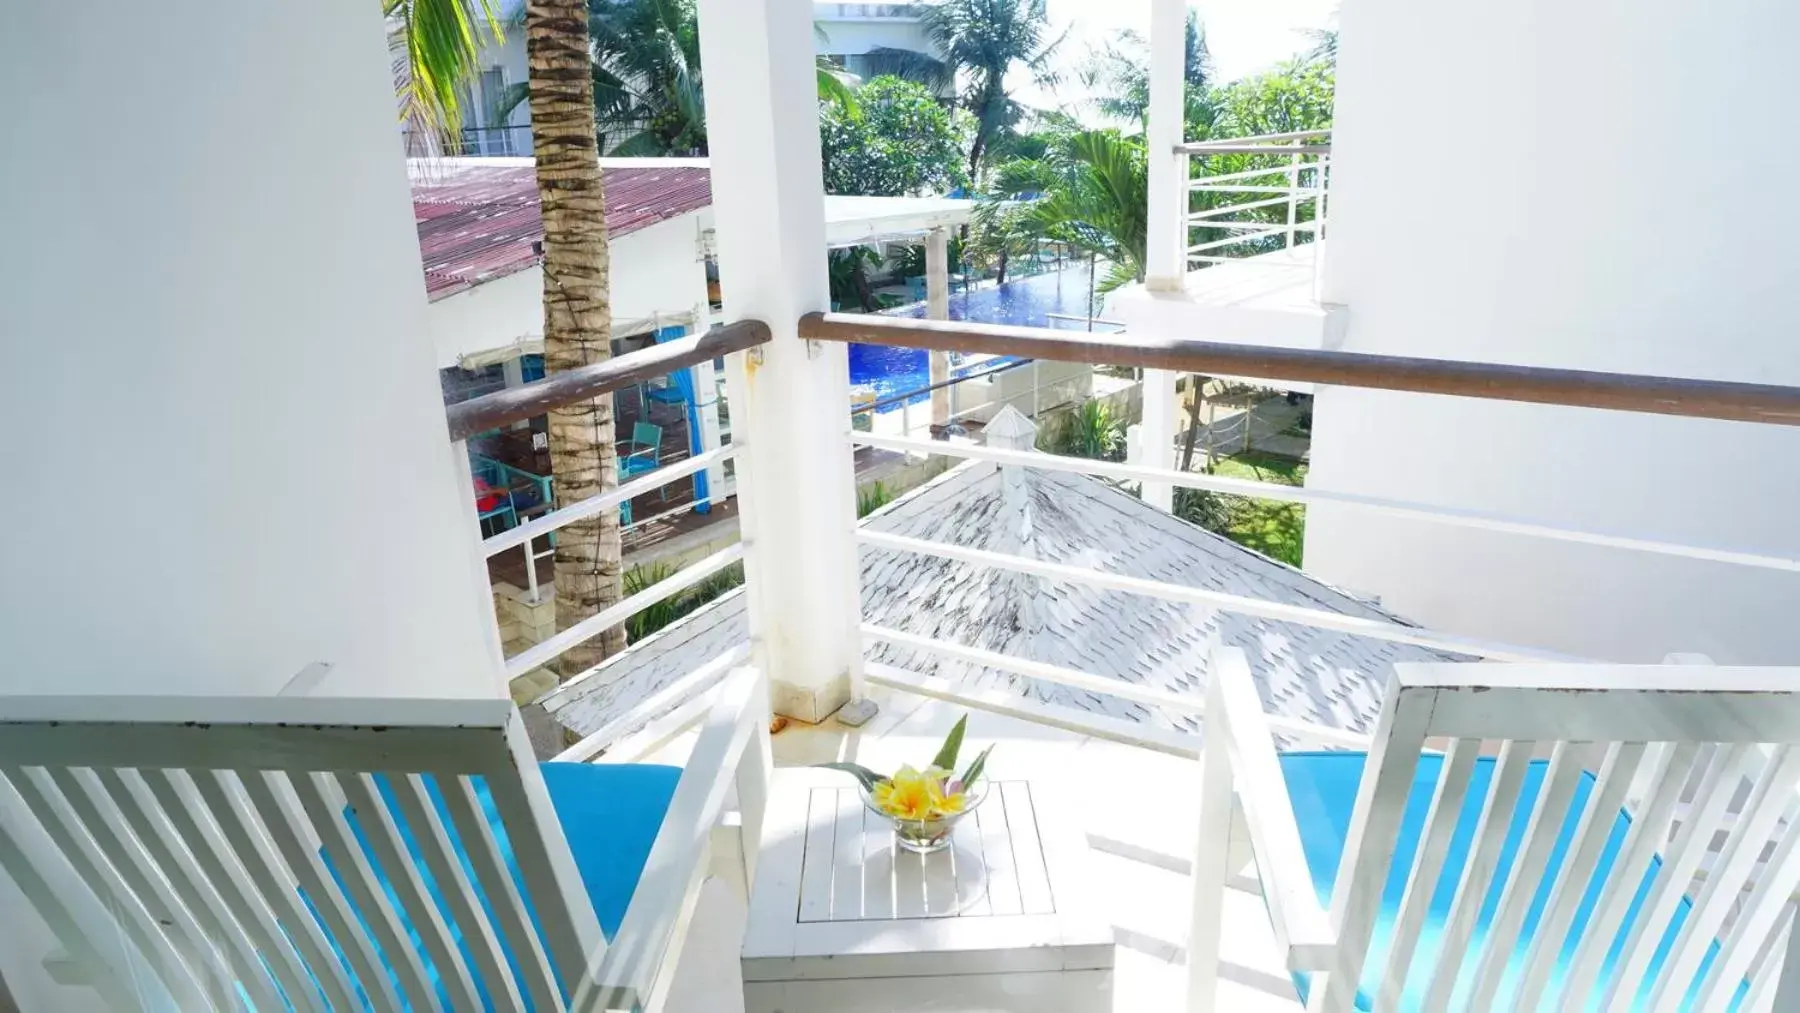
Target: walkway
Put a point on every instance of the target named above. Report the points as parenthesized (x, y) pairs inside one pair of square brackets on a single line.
[(1270, 421)]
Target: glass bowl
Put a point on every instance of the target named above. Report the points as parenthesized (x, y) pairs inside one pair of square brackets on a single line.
[(924, 837)]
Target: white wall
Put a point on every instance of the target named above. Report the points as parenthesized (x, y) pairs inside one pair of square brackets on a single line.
[(211, 509), (653, 271), (225, 440), (1593, 186)]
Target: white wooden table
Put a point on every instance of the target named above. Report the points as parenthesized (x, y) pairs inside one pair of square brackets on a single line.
[(843, 921)]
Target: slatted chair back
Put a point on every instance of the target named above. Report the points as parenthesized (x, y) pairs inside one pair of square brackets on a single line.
[(1674, 906), (281, 853)]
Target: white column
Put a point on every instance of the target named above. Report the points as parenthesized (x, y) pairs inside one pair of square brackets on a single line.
[(796, 498), (706, 383), (937, 307), (1165, 259), (1159, 434)]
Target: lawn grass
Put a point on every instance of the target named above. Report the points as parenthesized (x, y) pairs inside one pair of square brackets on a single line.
[(1271, 528)]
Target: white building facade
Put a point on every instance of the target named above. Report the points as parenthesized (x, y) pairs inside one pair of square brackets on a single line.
[(1571, 213), (1581, 218), (847, 32)]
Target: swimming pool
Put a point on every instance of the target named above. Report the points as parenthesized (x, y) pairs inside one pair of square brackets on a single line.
[(1025, 301)]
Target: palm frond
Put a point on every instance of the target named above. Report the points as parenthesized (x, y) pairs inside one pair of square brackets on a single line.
[(643, 144), (838, 86), (437, 47)]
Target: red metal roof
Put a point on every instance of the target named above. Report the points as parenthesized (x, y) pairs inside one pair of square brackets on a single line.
[(478, 222)]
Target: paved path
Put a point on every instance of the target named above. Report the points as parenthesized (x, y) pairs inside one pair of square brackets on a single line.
[(1269, 421)]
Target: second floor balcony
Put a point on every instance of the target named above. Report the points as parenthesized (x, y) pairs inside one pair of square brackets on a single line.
[(1190, 718), (1191, 777)]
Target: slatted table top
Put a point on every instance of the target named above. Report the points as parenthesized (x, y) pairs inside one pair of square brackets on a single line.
[(835, 897)]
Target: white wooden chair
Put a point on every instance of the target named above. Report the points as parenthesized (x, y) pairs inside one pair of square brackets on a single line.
[(345, 854), (1589, 837)]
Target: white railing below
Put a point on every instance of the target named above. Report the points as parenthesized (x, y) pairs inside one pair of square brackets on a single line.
[(1282, 192)]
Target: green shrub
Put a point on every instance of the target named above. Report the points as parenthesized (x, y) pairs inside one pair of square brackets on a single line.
[(1206, 509), (1092, 431), (675, 606), (872, 497)]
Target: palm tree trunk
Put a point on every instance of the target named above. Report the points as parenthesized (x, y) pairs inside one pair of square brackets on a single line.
[(1197, 388), (577, 313)]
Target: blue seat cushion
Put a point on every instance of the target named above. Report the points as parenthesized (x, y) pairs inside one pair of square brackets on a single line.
[(1323, 787), (610, 815)]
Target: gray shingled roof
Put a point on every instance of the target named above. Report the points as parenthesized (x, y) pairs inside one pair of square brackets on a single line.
[(1321, 676)]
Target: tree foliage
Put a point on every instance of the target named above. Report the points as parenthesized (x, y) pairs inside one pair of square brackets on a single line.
[(848, 271), (900, 142), (436, 45), (648, 92), (1297, 95), (1119, 74), (649, 89), (1090, 190), (983, 41), (1093, 431)]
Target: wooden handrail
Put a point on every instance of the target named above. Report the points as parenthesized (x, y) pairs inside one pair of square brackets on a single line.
[(515, 404), (1657, 395)]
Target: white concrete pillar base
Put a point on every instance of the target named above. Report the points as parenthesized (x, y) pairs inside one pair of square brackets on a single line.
[(857, 713), (811, 704)]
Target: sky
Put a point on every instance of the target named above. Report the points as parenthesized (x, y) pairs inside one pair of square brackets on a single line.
[(1245, 36)]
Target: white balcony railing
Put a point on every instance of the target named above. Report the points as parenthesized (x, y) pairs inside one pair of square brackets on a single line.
[(674, 709), (472, 142), (670, 712), (867, 11), (1251, 196)]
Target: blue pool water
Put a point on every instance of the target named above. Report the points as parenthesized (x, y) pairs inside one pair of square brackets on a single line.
[(1026, 301)]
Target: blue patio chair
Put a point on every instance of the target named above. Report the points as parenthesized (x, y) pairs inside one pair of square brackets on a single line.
[(642, 453), (502, 516), (663, 390), (637, 456), (1529, 865), (916, 289), (436, 866), (503, 513)]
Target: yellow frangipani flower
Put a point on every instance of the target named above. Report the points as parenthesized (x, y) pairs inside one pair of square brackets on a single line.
[(918, 795)]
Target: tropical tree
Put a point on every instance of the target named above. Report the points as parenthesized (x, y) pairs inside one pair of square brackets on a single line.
[(847, 271), (1296, 95), (649, 91), (1118, 73), (440, 39), (577, 312), (983, 41), (436, 45), (897, 141), (1091, 190), (1001, 230)]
